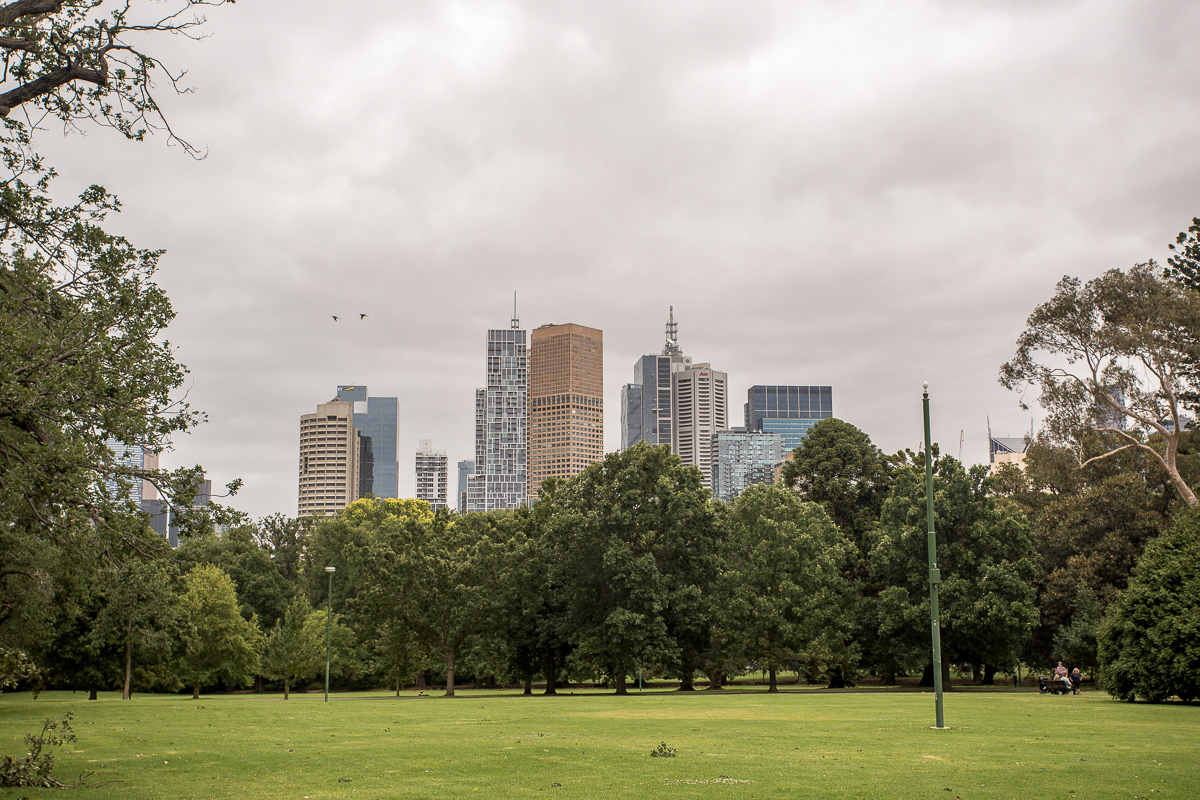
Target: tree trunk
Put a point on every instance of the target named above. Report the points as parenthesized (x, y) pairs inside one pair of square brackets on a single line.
[(888, 678), (196, 692), (92, 693), (450, 675), (989, 675), (686, 681), (975, 673), (285, 688), (927, 676), (837, 678), (550, 673), (128, 655), (258, 685), (714, 680), (621, 682), (772, 687), (397, 687), (421, 682), (528, 683)]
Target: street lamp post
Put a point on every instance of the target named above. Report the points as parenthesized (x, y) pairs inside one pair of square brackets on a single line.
[(935, 576), (329, 628)]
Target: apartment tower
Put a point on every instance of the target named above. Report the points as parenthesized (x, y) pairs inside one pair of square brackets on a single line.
[(699, 408), (329, 459), (566, 401), (433, 475)]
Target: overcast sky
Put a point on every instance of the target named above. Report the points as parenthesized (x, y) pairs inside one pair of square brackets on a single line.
[(861, 194)]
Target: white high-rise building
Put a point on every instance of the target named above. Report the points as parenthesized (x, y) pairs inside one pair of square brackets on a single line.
[(329, 459), (433, 475), (502, 424), (699, 408)]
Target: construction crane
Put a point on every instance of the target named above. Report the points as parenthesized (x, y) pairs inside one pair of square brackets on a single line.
[(960, 444)]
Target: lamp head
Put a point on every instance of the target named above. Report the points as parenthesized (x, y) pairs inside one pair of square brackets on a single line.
[(331, 569), (925, 386)]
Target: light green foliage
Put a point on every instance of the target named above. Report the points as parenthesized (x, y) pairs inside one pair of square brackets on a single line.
[(630, 550), (262, 588), (220, 645), (1150, 641), (987, 558), (782, 593)]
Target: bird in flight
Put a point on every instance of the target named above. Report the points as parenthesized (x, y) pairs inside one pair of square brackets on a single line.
[(335, 319), (361, 317)]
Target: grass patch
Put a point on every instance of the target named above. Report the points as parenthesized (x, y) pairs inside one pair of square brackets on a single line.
[(867, 745)]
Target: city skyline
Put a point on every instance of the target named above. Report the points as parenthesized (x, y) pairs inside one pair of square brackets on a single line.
[(852, 195)]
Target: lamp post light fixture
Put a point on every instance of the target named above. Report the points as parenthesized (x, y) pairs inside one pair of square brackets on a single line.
[(328, 629), (935, 576)]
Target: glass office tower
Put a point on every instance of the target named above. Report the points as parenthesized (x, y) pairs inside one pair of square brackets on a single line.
[(787, 410), (378, 420)]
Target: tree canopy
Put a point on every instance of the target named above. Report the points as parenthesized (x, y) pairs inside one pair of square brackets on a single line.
[(1113, 357)]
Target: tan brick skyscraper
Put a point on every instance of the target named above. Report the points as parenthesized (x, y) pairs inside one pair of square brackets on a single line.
[(566, 401)]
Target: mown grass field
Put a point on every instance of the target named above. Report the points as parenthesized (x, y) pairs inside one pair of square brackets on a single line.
[(1002, 744)]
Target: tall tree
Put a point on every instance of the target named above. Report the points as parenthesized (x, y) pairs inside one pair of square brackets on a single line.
[(987, 558), (1115, 357), (140, 615), (440, 578), (219, 645), (783, 592), (633, 536), (82, 359)]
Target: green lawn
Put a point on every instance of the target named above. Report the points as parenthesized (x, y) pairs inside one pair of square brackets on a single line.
[(794, 745)]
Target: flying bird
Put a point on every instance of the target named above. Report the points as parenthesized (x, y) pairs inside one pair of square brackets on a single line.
[(335, 319), (362, 317)]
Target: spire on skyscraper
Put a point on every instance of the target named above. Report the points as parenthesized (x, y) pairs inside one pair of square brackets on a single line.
[(671, 348), (516, 323)]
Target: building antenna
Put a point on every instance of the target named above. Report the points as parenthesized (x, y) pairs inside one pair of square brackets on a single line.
[(671, 348), (516, 323)]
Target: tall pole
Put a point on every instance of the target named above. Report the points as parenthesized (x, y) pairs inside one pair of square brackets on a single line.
[(328, 629), (935, 576)]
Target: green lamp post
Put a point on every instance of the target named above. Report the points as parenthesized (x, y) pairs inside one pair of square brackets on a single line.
[(935, 577), (329, 628)]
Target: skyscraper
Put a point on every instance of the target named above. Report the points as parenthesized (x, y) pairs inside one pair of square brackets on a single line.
[(466, 468), (699, 408), (377, 420), (329, 459), (646, 403), (566, 401), (433, 475), (787, 410), (501, 424), (741, 458)]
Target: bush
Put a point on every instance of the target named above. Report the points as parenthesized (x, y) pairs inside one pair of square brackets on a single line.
[(1150, 642)]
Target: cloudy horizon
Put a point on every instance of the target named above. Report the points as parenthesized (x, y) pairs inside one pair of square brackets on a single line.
[(865, 195)]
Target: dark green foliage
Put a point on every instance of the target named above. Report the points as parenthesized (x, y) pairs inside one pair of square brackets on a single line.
[(782, 592), (1184, 265), (1150, 641), (987, 558), (632, 543)]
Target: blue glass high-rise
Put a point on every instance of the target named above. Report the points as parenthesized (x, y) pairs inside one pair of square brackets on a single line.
[(377, 419), (787, 410)]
